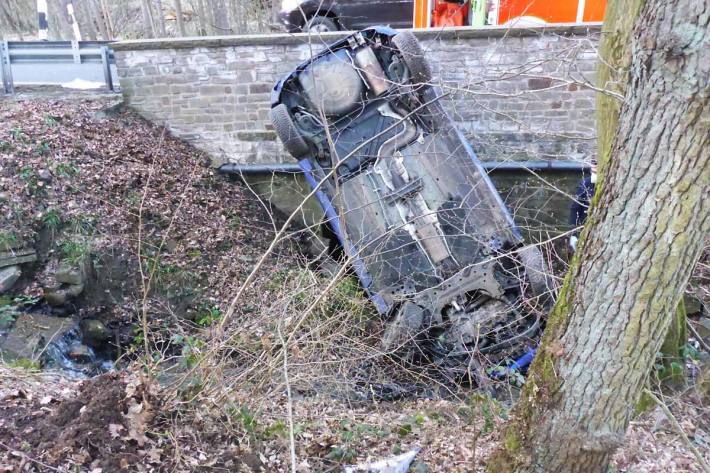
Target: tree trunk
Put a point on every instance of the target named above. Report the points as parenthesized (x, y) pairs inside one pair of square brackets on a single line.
[(179, 19), (160, 15), (234, 17), (147, 19), (106, 13), (11, 21), (613, 75), (98, 19), (648, 224), (85, 19), (201, 19), (221, 17)]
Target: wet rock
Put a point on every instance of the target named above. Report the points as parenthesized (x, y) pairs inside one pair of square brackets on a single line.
[(70, 275), (94, 332), (55, 296), (74, 290), (8, 277), (71, 281), (80, 353), (12, 255), (44, 175), (30, 334), (171, 245)]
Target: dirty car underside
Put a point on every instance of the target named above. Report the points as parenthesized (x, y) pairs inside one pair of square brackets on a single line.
[(423, 226)]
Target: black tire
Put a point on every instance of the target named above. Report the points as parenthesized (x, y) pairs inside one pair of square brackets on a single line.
[(321, 24), (538, 273), (287, 131), (413, 56)]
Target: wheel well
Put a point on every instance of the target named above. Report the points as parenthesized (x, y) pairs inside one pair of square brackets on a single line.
[(327, 13)]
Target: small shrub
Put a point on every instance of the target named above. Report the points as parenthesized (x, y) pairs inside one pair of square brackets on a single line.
[(66, 170), (51, 218), (209, 317), (50, 121), (75, 252), (8, 239)]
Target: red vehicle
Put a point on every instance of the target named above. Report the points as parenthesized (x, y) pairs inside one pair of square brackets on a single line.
[(531, 12), (332, 15), (440, 13)]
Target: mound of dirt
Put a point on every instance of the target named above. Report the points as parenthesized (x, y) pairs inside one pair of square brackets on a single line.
[(101, 425)]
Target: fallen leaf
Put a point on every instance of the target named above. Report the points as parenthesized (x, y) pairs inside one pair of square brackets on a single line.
[(115, 429)]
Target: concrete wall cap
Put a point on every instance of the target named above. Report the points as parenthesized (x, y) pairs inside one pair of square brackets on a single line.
[(495, 31)]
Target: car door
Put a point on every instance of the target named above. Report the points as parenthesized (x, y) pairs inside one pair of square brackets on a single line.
[(358, 14)]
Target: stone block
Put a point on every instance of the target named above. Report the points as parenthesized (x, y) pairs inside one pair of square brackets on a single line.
[(8, 277)]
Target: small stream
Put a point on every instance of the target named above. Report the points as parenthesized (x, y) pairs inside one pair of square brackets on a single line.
[(68, 354), (53, 342)]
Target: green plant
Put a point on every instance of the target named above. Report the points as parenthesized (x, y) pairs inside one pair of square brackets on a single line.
[(18, 134), (76, 252), (49, 120), (51, 218), (245, 418), (82, 224), (30, 177), (4, 145), (25, 364), (341, 454), (234, 222), (42, 148), (8, 314), (27, 174), (277, 429), (8, 239), (191, 351), (66, 170), (209, 317), (138, 337)]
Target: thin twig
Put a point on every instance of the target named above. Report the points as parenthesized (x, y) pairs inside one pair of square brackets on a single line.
[(679, 429), (289, 405)]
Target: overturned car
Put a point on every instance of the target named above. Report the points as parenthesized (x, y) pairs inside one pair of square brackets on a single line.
[(420, 221)]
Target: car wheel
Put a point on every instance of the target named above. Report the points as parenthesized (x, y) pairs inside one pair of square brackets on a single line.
[(321, 24), (287, 131), (538, 273), (413, 56)]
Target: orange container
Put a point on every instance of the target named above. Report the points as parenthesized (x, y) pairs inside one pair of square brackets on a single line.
[(449, 13), (551, 11)]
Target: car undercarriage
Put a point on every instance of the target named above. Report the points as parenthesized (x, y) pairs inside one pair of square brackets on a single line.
[(421, 223)]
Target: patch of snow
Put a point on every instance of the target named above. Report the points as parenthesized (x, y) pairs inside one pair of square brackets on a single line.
[(82, 84)]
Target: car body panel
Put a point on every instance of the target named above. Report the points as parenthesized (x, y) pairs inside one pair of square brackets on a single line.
[(349, 14)]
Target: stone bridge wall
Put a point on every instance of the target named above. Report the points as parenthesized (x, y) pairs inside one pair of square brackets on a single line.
[(518, 93)]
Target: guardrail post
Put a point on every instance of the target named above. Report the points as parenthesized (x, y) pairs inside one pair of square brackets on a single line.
[(6, 68), (106, 63), (75, 51)]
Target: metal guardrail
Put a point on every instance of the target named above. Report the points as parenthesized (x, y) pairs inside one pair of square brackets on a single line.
[(51, 53)]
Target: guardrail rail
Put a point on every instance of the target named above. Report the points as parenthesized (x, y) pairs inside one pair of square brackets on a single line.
[(57, 55)]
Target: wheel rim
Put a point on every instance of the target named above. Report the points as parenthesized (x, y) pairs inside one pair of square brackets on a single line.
[(318, 28)]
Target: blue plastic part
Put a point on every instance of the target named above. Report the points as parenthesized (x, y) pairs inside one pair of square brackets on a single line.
[(517, 365), (334, 221)]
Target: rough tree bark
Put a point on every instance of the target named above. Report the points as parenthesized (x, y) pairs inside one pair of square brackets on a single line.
[(201, 19), (648, 223), (160, 15), (147, 19), (179, 19), (613, 75)]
